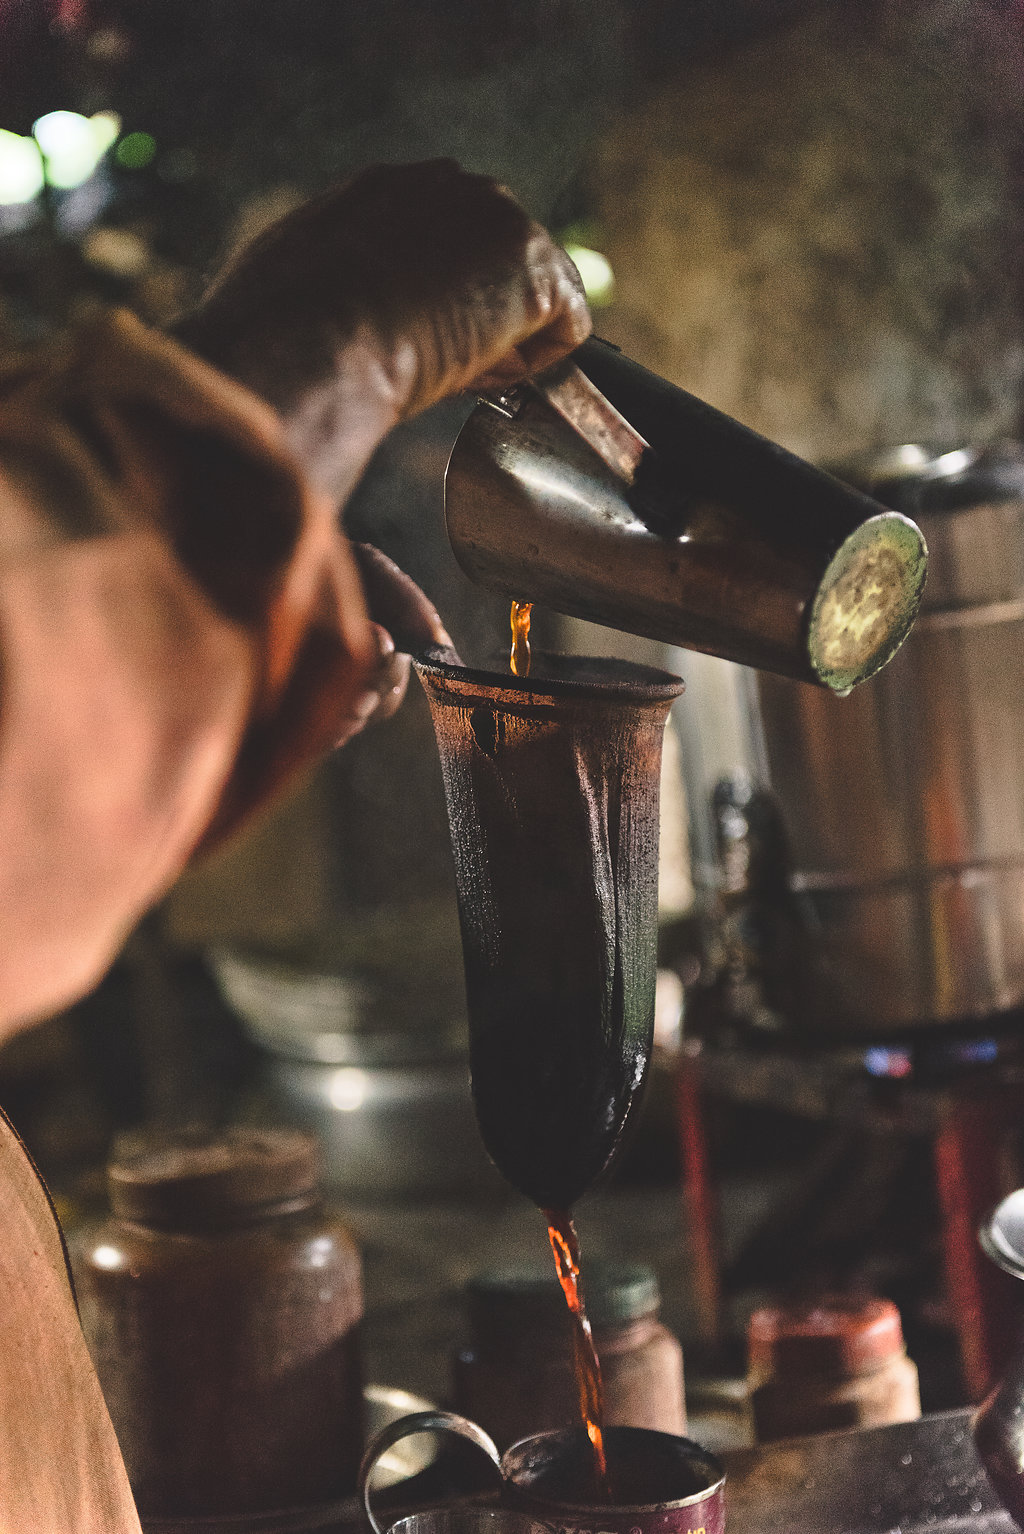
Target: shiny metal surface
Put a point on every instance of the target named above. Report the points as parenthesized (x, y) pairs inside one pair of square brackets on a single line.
[(416, 1425), (341, 1018), (904, 804), (1002, 1234), (386, 1131), (719, 541), (384, 1405), (919, 1477), (470, 1520), (999, 1424)]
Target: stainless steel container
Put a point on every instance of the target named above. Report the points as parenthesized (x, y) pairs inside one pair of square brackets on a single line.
[(606, 493), (904, 803)]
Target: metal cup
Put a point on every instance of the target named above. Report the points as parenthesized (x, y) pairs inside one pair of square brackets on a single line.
[(668, 1484), (610, 495), (469, 1520), (673, 1486), (407, 1427)]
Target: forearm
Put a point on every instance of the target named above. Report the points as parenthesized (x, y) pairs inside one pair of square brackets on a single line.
[(336, 395)]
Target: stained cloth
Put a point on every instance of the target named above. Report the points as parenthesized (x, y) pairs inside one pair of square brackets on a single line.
[(181, 628)]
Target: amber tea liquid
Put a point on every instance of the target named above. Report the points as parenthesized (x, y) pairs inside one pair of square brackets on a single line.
[(561, 1231), (566, 1248), (519, 660)]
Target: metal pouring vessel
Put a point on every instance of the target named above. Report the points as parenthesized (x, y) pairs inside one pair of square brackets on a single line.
[(605, 493), (999, 1423)]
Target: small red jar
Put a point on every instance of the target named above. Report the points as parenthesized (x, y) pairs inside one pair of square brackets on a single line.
[(221, 1304), (836, 1363)]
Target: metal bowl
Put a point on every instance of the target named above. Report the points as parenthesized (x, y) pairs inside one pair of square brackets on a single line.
[(384, 1405)]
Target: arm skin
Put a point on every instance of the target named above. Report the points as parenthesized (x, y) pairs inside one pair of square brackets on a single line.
[(182, 626)]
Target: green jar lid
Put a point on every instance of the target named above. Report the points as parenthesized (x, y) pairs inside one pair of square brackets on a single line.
[(520, 1296)]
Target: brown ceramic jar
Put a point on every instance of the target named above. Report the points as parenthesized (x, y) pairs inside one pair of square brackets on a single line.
[(515, 1377), (221, 1304), (837, 1363)]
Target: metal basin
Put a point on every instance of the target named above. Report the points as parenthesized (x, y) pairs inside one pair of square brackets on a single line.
[(384, 1405)]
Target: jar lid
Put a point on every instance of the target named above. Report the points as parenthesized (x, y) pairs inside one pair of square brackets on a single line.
[(840, 1337), (188, 1180), (528, 1295), (919, 477)]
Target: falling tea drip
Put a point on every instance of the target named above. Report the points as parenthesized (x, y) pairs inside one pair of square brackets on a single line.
[(519, 659), (589, 1385)]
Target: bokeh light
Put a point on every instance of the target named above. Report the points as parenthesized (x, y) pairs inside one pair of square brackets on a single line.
[(21, 168), (73, 145), (595, 273), (135, 151)]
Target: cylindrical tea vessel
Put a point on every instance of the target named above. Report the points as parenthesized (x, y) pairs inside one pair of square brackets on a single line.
[(221, 1305), (552, 785), (723, 542), (903, 805), (661, 1484)]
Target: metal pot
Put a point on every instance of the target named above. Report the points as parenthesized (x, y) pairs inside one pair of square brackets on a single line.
[(904, 803), (388, 1100)]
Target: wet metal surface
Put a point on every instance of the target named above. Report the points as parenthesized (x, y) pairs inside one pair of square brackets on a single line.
[(915, 1478), (715, 540)]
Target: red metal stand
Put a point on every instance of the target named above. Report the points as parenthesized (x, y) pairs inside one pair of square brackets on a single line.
[(977, 1162), (976, 1128), (700, 1197)]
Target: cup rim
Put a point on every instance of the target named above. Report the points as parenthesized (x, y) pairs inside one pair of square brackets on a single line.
[(605, 1509), (485, 1512), (625, 681)]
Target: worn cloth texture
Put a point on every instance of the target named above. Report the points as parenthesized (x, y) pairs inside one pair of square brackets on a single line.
[(153, 690), (153, 693)]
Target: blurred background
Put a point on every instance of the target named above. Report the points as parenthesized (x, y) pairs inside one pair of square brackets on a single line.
[(809, 213)]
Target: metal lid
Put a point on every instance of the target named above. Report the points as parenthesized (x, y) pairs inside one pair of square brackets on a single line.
[(1002, 1234), (839, 1337), (189, 1181), (519, 1297), (918, 477)]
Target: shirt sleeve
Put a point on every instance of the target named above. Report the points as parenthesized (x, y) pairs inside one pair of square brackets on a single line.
[(181, 630)]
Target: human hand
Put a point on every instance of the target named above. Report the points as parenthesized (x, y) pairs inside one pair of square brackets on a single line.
[(408, 284), (404, 622)]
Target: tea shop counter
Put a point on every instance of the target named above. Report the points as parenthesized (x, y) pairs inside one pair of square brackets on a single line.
[(913, 1478)]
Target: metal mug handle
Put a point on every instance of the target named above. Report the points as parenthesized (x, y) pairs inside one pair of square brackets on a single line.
[(405, 1427)]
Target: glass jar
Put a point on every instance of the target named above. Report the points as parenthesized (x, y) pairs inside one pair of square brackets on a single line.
[(221, 1304), (830, 1364), (516, 1377)]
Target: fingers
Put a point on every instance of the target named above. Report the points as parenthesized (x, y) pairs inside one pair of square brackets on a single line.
[(384, 688), (395, 601), (478, 291), (406, 285), (404, 622), (568, 323), (558, 312)]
